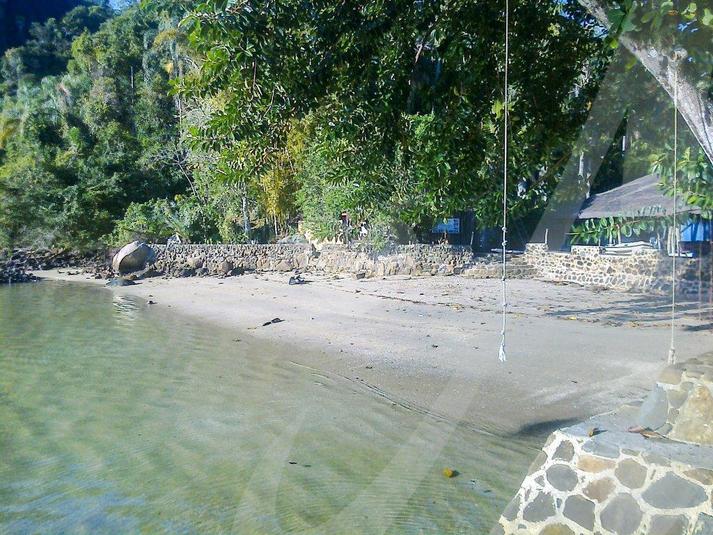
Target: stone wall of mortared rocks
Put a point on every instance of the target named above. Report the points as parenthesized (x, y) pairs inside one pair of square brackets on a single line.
[(356, 260), (647, 271), (644, 271), (577, 487), (211, 259)]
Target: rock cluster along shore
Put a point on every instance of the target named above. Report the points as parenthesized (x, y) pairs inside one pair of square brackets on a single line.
[(17, 266)]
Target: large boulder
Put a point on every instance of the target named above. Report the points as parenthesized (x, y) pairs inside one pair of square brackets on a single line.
[(133, 257)]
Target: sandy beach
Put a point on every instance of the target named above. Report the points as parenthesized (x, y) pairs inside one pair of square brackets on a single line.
[(432, 343)]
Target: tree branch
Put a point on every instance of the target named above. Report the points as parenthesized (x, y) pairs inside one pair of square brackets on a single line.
[(695, 106)]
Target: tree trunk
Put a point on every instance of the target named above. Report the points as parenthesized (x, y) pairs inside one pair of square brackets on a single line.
[(694, 105), (246, 216)]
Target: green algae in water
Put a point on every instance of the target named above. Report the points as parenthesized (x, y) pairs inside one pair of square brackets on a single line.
[(120, 418)]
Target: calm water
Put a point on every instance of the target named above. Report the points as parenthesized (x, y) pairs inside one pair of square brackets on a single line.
[(116, 417)]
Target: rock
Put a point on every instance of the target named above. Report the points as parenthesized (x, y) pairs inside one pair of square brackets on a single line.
[(631, 474), (538, 463), (562, 477), (132, 257), (588, 463), (601, 448), (581, 511), (513, 508), (704, 525), (540, 508), (120, 281), (622, 515), (668, 525), (564, 452), (654, 411), (701, 475), (673, 492), (670, 376), (226, 266), (556, 529), (695, 419), (600, 489), (284, 265), (146, 273), (195, 262)]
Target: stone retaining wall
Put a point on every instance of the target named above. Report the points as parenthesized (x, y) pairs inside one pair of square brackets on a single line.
[(361, 261), (419, 259), (644, 271), (222, 259)]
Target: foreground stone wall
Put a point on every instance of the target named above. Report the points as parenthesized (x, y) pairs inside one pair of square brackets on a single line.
[(642, 470), (644, 271), (578, 485)]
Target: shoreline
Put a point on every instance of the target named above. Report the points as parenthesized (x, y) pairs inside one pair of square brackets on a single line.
[(432, 342)]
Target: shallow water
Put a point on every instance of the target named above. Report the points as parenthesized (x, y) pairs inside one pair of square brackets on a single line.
[(116, 417)]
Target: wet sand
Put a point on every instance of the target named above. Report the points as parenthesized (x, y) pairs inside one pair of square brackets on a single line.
[(432, 343)]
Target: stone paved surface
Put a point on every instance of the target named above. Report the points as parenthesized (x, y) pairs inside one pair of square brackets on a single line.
[(614, 482)]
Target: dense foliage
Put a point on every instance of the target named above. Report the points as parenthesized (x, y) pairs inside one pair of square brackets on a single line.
[(229, 120), (398, 105), (84, 125)]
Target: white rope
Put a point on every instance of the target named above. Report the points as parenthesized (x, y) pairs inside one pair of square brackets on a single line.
[(501, 354), (674, 229)]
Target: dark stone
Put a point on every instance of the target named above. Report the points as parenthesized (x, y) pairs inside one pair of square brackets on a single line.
[(564, 452), (133, 257), (581, 511), (120, 281), (602, 449), (631, 474), (513, 508), (226, 267), (556, 529), (622, 515), (539, 509), (668, 525), (600, 489), (562, 477), (654, 410), (539, 461), (673, 492), (497, 530), (704, 525), (701, 475)]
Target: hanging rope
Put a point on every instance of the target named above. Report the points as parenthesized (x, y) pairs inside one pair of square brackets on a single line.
[(674, 228), (501, 354)]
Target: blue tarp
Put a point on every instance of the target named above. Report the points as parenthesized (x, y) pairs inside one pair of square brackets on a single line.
[(696, 230)]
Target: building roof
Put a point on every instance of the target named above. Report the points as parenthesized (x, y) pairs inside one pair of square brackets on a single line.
[(640, 197)]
